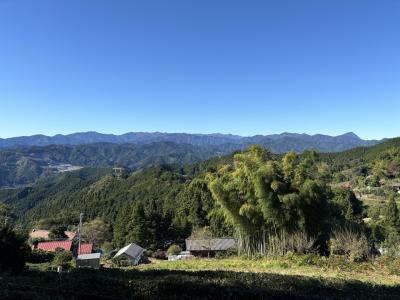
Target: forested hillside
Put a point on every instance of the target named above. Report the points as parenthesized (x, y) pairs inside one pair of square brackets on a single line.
[(361, 154), (25, 165), (68, 185), (152, 206), (375, 168)]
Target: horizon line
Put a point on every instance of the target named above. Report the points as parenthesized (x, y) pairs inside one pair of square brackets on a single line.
[(190, 133)]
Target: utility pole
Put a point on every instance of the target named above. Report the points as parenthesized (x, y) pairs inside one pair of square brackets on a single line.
[(79, 232), (118, 172)]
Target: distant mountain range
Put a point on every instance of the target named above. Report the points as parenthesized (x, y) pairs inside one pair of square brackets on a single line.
[(25, 160), (277, 143)]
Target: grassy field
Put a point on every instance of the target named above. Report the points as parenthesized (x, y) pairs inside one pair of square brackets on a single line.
[(379, 271), (289, 277)]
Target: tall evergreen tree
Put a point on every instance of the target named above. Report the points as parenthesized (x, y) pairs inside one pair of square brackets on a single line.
[(392, 216), (137, 227)]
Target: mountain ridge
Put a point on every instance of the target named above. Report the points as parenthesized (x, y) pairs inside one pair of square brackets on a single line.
[(274, 142), (28, 159)]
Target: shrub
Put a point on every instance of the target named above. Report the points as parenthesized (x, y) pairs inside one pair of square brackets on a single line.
[(63, 259), (58, 233), (119, 261), (350, 243), (174, 250), (283, 243), (13, 250), (392, 244), (276, 244), (38, 256), (226, 254), (159, 254), (107, 248), (201, 233), (35, 241)]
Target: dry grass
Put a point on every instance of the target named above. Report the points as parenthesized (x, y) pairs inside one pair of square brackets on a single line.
[(380, 271)]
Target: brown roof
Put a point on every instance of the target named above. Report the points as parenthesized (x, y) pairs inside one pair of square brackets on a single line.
[(70, 234), (37, 233), (44, 234)]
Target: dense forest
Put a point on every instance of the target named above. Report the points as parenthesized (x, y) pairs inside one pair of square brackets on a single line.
[(28, 165)]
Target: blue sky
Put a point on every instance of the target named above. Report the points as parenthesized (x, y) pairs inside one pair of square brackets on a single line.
[(242, 67)]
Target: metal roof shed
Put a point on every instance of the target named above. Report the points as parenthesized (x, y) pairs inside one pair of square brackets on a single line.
[(209, 245), (132, 253), (88, 261)]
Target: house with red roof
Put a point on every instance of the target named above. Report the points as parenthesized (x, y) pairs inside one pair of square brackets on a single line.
[(53, 246), (85, 248)]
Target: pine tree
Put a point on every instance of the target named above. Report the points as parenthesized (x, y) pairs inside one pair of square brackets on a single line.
[(392, 215), (138, 227)]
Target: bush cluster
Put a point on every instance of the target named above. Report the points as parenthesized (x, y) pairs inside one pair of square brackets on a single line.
[(38, 256), (174, 250), (350, 243)]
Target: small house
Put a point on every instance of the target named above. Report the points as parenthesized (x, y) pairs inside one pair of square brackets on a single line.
[(91, 260), (209, 246), (55, 246), (130, 255)]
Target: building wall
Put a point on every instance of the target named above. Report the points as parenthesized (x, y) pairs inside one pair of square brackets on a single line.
[(88, 263), (204, 253)]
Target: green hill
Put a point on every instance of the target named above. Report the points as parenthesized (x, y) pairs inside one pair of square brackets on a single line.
[(361, 154), (26, 165), (170, 210)]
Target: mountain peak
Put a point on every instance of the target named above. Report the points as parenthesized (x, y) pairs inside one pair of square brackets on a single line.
[(351, 135)]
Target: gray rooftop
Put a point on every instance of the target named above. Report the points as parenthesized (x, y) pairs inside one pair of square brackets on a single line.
[(89, 256), (131, 250), (217, 244)]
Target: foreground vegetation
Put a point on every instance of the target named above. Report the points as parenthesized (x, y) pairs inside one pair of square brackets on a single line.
[(289, 277)]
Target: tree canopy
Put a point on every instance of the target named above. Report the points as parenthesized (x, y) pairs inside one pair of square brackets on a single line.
[(261, 194)]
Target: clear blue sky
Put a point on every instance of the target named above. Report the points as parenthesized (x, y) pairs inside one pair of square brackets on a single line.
[(242, 67)]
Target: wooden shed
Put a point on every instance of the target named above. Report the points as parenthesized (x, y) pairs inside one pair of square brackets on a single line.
[(91, 260), (209, 246)]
